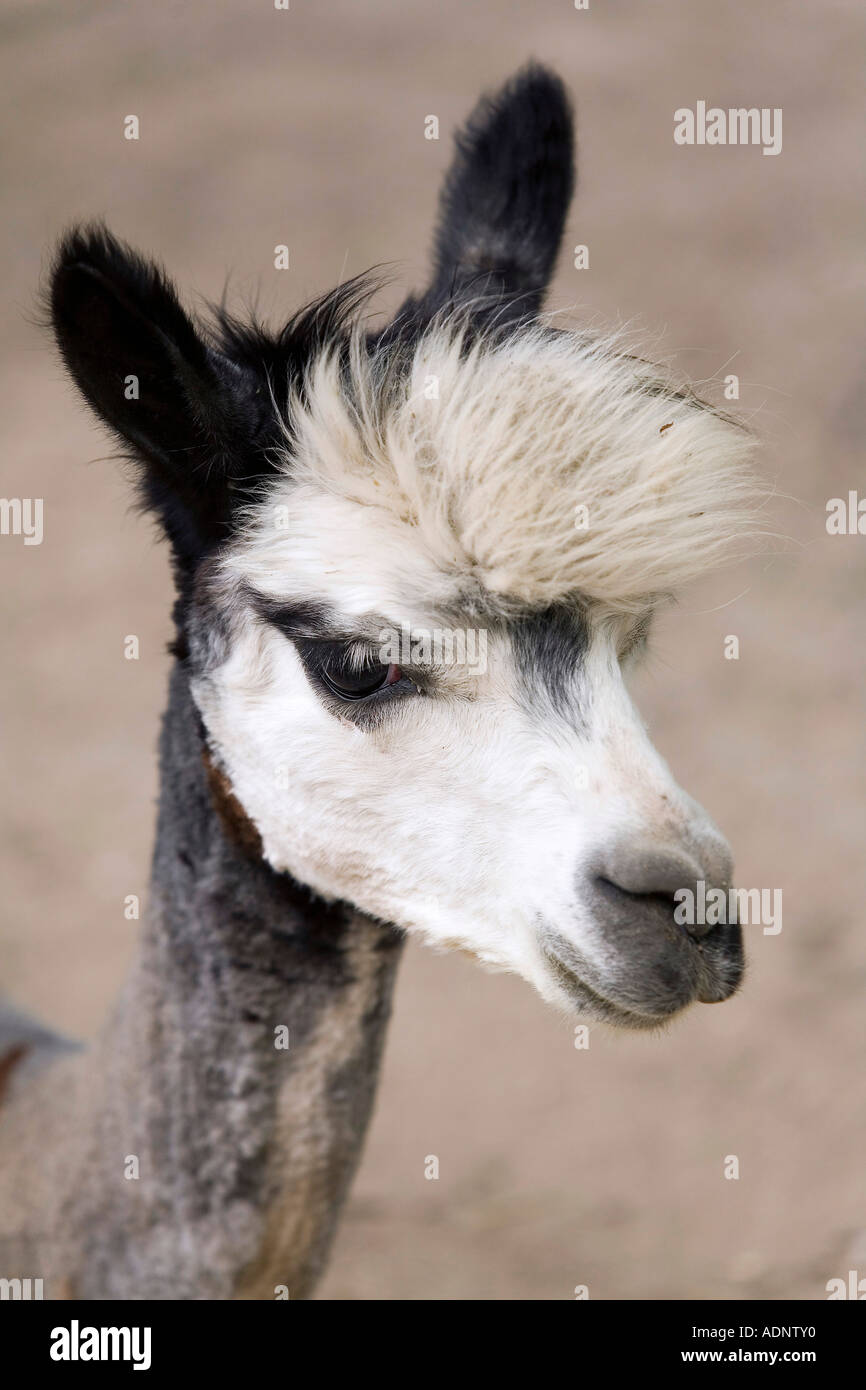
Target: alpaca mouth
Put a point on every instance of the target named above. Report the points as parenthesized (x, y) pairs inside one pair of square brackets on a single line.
[(634, 996), (587, 1000)]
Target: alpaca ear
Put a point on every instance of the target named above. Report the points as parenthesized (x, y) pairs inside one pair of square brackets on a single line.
[(147, 373), (505, 198)]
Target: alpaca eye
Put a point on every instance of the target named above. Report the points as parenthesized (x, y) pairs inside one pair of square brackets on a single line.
[(349, 680)]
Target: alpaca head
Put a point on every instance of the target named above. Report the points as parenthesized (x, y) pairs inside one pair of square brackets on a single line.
[(414, 567)]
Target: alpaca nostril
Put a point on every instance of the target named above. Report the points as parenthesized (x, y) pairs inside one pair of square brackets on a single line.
[(625, 898), (659, 877)]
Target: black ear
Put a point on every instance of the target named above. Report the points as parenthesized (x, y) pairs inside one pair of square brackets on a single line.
[(504, 201), (184, 411)]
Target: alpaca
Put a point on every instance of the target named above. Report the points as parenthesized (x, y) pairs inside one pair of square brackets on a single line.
[(413, 568)]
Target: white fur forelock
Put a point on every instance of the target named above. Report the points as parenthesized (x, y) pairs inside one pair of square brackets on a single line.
[(537, 466)]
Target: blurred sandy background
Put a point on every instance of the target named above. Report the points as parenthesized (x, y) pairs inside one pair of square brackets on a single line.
[(558, 1167)]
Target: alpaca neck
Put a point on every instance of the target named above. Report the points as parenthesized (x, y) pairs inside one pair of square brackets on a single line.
[(245, 1147)]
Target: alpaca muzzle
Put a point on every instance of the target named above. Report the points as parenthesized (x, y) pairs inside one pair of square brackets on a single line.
[(645, 960)]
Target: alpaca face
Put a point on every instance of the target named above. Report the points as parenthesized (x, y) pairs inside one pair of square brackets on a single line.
[(419, 697), (491, 805), (413, 567)]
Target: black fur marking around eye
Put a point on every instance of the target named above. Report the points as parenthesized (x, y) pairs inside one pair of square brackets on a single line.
[(304, 618), (549, 648), (365, 708), (317, 620), (324, 641)]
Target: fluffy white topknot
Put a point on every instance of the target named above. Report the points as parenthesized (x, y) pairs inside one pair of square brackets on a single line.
[(540, 464)]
